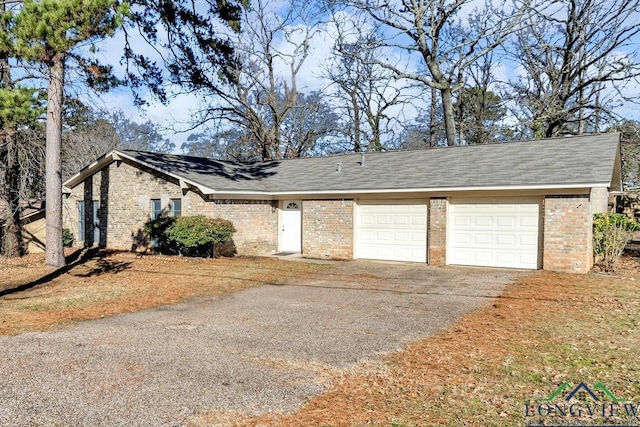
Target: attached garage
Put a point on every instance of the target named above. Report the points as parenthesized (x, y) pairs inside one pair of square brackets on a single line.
[(393, 230), (524, 204), (494, 233)]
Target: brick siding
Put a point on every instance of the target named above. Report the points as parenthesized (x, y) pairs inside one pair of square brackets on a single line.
[(437, 231), (567, 240), (327, 228), (599, 200), (125, 193)]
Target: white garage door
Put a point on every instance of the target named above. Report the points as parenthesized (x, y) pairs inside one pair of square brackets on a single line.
[(392, 230), (494, 234)]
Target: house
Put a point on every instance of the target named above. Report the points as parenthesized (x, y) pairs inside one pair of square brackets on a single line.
[(33, 224), (525, 204)]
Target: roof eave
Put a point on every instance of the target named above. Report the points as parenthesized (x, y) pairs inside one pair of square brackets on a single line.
[(616, 176), (265, 195), (91, 169), (117, 156)]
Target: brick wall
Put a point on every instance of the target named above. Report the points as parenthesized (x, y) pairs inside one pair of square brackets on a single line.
[(567, 240), (256, 221), (437, 231), (327, 228), (125, 193), (599, 200)]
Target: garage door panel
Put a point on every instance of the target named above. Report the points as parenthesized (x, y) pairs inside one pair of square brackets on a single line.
[(462, 221), (392, 230), (482, 221), (384, 236), (462, 239), (529, 241), (493, 234), (419, 238), (401, 220), (508, 240), (506, 221), (383, 220), (529, 222), (480, 239)]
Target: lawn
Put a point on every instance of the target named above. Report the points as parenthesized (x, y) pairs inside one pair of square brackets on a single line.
[(98, 284), (546, 330), (492, 368)]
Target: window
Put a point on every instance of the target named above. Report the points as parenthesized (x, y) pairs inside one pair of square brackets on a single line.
[(96, 221), (176, 207), (156, 208), (80, 221)]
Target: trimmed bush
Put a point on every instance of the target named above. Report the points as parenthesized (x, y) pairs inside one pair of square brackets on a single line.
[(190, 235), (67, 238), (157, 230), (611, 233)]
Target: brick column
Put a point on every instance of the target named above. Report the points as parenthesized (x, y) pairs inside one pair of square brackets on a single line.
[(327, 229), (567, 242), (437, 231)]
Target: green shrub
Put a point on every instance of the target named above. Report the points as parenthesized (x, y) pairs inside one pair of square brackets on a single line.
[(189, 235), (67, 238), (611, 233)]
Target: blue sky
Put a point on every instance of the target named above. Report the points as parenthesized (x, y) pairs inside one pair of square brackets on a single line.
[(175, 116)]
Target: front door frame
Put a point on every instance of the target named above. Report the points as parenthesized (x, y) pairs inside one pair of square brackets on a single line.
[(290, 240)]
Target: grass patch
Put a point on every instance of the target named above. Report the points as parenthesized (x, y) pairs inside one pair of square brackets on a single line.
[(107, 283), (545, 330)]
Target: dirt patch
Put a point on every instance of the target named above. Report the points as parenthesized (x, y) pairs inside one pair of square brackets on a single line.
[(98, 284)]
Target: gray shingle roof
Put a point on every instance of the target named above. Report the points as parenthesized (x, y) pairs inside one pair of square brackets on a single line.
[(550, 163), (571, 162)]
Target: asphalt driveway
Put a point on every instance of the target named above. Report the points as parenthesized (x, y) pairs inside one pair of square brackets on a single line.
[(268, 348)]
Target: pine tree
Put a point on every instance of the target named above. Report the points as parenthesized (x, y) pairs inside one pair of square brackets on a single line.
[(47, 32), (19, 107)]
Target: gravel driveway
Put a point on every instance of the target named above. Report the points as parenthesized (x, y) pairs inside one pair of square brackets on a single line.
[(268, 348)]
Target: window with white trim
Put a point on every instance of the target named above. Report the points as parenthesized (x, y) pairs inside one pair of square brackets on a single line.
[(80, 221), (156, 208), (176, 207)]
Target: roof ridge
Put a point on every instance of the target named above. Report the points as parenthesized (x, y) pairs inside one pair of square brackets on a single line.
[(399, 150)]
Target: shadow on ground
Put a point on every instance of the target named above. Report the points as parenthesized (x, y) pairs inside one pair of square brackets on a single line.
[(79, 257)]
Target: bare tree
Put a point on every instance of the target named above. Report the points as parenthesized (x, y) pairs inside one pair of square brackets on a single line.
[(578, 60), (479, 109), (257, 91), (89, 134), (446, 43), (306, 130), (367, 92)]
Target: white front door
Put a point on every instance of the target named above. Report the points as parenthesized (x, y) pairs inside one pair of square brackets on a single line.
[(291, 227)]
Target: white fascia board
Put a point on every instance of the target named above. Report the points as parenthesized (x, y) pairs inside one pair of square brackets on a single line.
[(267, 195), (90, 170), (183, 181), (249, 195), (445, 189)]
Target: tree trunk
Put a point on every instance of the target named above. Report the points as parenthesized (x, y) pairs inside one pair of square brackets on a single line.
[(432, 117), (449, 120), (54, 253), (12, 243), (357, 146)]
